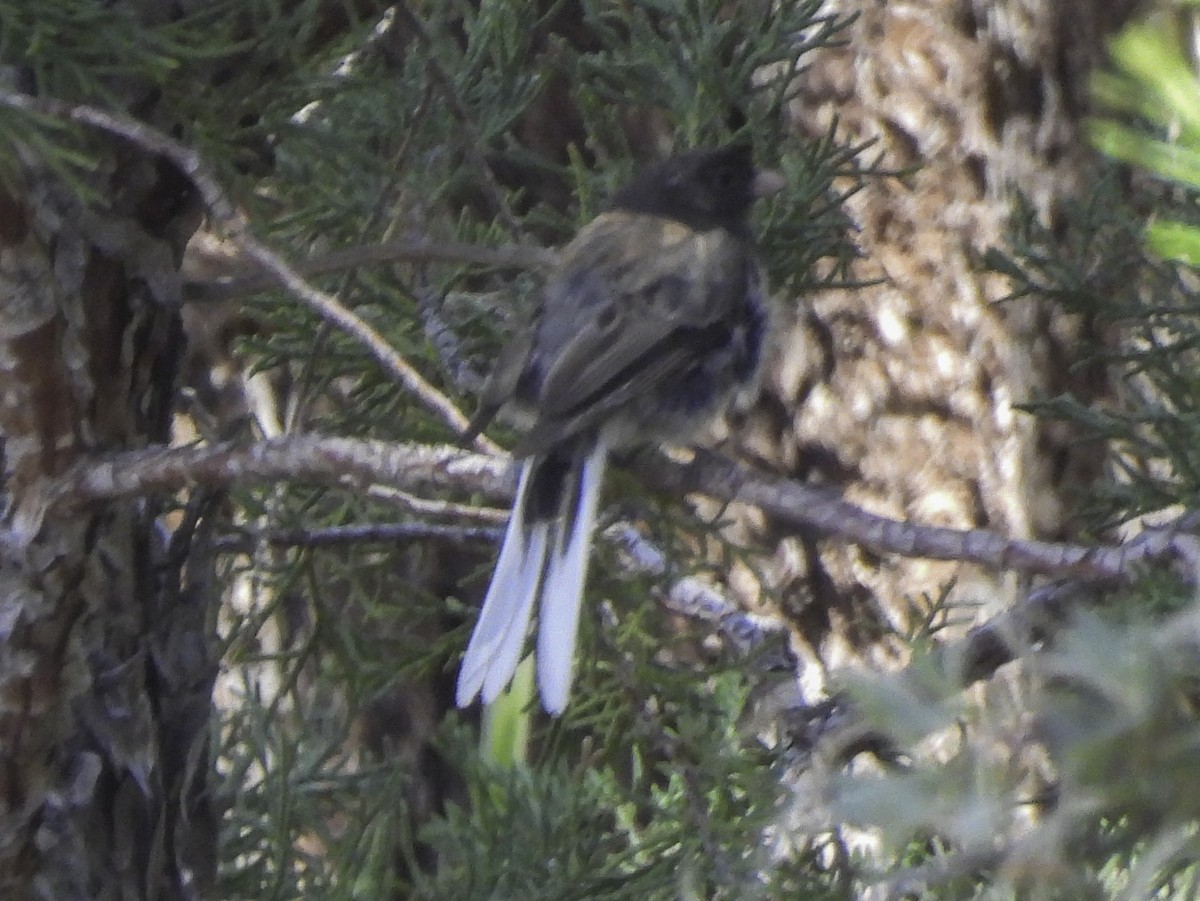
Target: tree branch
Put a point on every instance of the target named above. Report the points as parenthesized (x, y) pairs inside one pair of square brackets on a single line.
[(344, 462), (357, 464), (817, 509), (376, 466), (693, 597)]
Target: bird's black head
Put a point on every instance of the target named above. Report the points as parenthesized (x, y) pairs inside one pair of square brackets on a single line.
[(704, 189)]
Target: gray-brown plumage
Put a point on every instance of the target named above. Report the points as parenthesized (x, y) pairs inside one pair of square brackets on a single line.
[(653, 320)]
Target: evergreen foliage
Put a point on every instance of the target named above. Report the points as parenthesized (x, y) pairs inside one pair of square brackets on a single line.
[(489, 123), (496, 123), (645, 788)]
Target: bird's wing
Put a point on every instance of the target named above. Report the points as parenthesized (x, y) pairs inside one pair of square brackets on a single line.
[(648, 295)]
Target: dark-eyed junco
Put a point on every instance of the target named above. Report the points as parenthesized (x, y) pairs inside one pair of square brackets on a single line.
[(651, 323)]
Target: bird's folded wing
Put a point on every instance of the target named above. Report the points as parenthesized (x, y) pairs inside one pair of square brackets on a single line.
[(651, 294)]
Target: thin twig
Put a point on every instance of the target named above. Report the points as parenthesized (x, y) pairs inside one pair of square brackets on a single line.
[(236, 226), (693, 597), (425, 506), (415, 250), (444, 339)]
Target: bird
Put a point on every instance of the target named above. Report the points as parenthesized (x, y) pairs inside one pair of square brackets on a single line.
[(652, 322)]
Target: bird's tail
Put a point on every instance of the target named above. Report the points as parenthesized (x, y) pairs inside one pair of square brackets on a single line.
[(544, 557)]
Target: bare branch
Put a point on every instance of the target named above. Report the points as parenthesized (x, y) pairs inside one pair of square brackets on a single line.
[(341, 462), (693, 597), (239, 283), (235, 225), (819, 510), (416, 468), (424, 506)]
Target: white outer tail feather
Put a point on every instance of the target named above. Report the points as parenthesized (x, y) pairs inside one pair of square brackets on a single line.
[(519, 597), (501, 605), (545, 564), (562, 589)]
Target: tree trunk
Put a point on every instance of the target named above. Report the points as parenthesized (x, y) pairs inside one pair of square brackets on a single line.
[(905, 390), (107, 616), (106, 657)]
